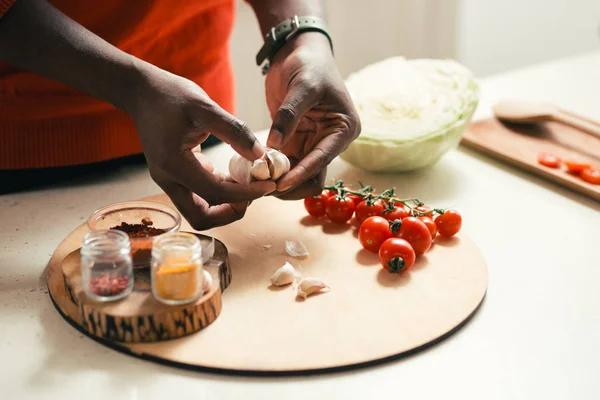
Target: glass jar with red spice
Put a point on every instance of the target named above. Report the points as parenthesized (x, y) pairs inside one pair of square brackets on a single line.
[(106, 265)]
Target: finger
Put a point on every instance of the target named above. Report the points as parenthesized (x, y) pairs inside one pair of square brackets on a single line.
[(189, 172), (235, 133), (220, 215), (203, 160), (299, 99), (315, 161), (310, 188), (238, 193), (199, 214)]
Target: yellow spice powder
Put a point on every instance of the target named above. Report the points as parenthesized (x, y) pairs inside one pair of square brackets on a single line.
[(178, 282)]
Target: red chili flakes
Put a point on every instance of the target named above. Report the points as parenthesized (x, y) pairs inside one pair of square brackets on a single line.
[(139, 230)]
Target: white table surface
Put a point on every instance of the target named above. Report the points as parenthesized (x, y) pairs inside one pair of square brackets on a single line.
[(537, 334)]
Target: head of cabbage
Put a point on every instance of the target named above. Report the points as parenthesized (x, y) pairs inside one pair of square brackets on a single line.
[(412, 112)]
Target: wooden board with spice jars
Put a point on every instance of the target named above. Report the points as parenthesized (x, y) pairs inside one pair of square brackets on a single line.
[(366, 316), (132, 276), (140, 317)]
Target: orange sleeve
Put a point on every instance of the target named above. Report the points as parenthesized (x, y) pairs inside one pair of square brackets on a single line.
[(5, 5)]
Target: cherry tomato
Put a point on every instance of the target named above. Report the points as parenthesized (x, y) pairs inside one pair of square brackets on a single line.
[(355, 198), (549, 160), (315, 206), (415, 232), (575, 167), (591, 175), (325, 194), (399, 212), (430, 224), (373, 232), (449, 223), (396, 255), (424, 209), (339, 209), (365, 210)]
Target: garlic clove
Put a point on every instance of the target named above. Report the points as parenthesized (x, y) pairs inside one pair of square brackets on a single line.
[(296, 248), (309, 286), (239, 169), (285, 275), (279, 164), (260, 169)]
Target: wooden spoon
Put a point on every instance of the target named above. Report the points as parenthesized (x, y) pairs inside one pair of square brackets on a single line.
[(522, 112)]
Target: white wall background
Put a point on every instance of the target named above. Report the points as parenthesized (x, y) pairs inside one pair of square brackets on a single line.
[(488, 36), (496, 35)]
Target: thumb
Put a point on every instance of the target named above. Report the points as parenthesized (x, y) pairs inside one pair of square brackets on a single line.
[(296, 103)]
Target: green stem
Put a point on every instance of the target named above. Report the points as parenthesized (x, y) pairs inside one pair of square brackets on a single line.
[(367, 192)]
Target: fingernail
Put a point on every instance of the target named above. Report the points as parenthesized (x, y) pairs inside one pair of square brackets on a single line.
[(258, 149), (271, 190), (284, 187), (275, 138)]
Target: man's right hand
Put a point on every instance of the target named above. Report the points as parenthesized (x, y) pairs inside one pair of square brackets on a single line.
[(173, 116)]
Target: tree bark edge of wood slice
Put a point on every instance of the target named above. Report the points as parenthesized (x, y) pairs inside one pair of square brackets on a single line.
[(139, 317)]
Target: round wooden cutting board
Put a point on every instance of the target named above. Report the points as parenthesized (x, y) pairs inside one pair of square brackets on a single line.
[(367, 316)]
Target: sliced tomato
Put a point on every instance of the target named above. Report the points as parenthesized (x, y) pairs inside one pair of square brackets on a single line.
[(591, 175), (549, 160), (575, 167)]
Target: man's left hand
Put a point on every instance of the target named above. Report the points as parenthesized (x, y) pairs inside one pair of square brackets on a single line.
[(314, 119)]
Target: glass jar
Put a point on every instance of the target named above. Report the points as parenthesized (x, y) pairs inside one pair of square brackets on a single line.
[(106, 267), (176, 268)]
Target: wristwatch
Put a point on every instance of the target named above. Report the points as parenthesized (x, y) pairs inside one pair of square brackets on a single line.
[(282, 33)]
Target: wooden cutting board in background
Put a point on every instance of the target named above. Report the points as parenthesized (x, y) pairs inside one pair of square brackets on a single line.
[(519, 145)]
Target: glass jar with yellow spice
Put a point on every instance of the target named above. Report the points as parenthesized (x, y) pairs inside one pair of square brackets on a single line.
[(176, 268)]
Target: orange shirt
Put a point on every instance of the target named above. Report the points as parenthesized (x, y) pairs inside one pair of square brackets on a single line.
[(44, 123)]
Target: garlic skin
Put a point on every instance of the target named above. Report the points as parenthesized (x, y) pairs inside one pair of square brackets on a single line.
[(239, 169), (272, 165), (285, 275), (279, 164), (309, 286), (260, 169), (296, 248)]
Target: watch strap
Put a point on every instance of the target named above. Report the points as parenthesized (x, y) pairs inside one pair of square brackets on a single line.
[(280, 34)]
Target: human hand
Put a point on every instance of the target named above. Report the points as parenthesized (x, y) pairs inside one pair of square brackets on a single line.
[(314, 119), (173, 116)]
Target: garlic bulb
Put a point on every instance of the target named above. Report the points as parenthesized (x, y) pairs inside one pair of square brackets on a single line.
[(285, 275), (278, 163), (272, 165), (239, 169), (309, 286)]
